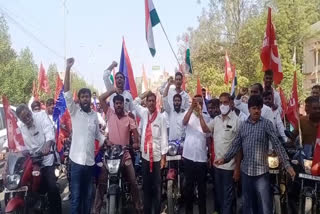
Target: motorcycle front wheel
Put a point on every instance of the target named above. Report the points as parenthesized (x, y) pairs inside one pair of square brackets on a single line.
[(276, 204), (306, 205), (172, 201), (112, 204)]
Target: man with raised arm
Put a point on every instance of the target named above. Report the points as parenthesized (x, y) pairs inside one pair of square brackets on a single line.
[(85, 130)]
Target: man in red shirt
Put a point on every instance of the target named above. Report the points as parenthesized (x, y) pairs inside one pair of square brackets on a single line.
[(119, 127)]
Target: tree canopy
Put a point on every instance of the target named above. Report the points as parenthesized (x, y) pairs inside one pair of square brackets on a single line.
[(18, 71), (238, 27)]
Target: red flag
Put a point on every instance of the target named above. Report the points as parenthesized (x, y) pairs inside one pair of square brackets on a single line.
[(284, 101), (269, 53), (199, 91), (65, 129), (227, 70), (293, 106), (316, 155), (35, 93), (43, 80), (15, 139), (59, 85)]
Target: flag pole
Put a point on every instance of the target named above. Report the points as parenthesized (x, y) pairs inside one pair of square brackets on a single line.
[(169, 43), (300, 135)]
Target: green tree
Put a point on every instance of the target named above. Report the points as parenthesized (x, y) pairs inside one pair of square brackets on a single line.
[(238, 26)]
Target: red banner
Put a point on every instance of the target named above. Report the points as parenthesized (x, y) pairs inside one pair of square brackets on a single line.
[(15, 139), (269, 53), (43, 80)]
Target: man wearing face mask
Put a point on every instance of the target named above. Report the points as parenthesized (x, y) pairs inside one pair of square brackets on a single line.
[(309, 124), (85, 130), (225, 128)]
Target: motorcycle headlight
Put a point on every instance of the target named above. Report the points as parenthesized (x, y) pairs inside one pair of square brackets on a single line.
[(307, 165), (172, 149), (113, 166), (13, 181), (57, 172), (273, 162)]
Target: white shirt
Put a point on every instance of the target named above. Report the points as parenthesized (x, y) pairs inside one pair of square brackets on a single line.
[(101, 120), (176, 128), (128, 106), (279, 124), (195, 144), (224, 131), (85, 130), (36, 137), (242, 117), (185, 104), (159, 132), (277, 100), (266, 111)]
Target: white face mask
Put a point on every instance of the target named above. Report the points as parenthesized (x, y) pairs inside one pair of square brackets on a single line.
[(224, 109)]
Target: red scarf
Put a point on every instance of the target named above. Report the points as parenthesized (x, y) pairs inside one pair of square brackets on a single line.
[(148, 138)]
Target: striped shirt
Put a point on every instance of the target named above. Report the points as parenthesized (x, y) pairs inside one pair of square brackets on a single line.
[(254, 138)]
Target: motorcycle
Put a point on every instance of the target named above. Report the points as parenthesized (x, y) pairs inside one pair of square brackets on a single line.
[(309, 197), (119, 196), (174, 175), (278, 181), (138, 166), (22, 182)]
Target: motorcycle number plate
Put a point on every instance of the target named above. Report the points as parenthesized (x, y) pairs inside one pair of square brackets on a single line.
[(173, 158), (274, 171), (21, 189), (310, 177)]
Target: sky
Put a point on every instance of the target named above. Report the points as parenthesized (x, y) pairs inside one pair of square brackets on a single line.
[(94, 32)]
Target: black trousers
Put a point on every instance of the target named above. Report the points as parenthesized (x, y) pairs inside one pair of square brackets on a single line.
[(224, 191), (151, 187), (49, 184), (195, 174)]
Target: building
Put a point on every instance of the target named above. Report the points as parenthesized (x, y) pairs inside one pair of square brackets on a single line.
[(311, 58)]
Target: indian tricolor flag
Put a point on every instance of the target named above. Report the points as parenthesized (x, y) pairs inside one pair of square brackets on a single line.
[(152, 19), (188, 67)]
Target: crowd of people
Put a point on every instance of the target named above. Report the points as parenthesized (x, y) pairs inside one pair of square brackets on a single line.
[(229, 136)]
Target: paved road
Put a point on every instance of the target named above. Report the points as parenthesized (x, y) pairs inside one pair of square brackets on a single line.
[(66, 204)]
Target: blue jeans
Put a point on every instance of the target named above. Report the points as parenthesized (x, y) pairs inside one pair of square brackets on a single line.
[(224, 191), (81, 188), (257, 198)]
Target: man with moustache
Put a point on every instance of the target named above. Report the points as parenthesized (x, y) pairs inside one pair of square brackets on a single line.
[(85, 130)]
